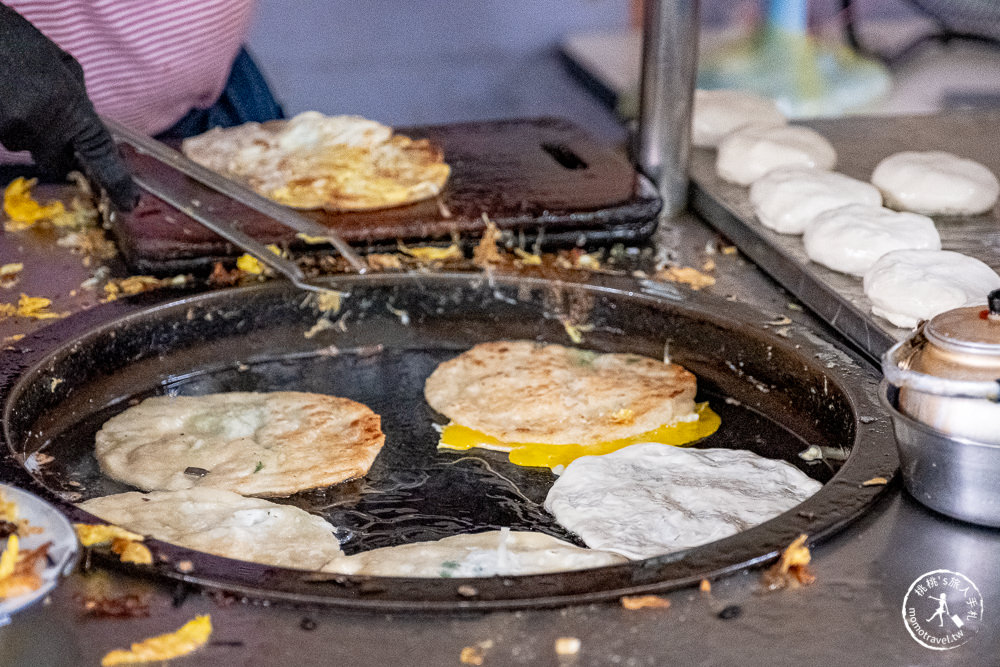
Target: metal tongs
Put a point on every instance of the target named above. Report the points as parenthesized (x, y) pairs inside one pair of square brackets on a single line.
[(168, 192)]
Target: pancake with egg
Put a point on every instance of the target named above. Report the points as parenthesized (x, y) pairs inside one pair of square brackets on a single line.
[(336, 163), (254, 444), (225, 524), (490, 554), (549, 404)]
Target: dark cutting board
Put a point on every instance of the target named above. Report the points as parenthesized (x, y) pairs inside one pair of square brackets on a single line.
[(537, 176)]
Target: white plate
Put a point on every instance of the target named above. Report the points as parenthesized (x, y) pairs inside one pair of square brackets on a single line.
[(55, 529)]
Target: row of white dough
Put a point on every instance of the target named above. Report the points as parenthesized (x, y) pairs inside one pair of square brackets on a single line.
[(845, 227)]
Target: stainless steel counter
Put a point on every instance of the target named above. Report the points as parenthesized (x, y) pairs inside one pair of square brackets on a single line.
[(853, 613)]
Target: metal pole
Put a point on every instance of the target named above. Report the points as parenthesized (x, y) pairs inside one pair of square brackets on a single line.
[(669, 66)]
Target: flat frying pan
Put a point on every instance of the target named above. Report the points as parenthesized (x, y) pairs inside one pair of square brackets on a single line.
[(777, 395)]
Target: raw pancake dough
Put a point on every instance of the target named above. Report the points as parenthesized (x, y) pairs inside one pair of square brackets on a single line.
[(936, 183), (906, 286), (225, 524), (523, 391), (489, 554), (650, 499), (256, 444), (717, 113), (851, 238), (787, 199), (748, 154)]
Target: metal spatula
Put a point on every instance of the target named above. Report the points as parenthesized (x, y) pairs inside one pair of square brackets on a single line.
[(183, 202)]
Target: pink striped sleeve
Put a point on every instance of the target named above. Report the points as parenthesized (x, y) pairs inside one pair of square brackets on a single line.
[(146, 62)]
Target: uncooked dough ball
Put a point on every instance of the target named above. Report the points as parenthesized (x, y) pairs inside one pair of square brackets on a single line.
[(748, 154), (936, 183), (717, 113), (851, 238), (788, 198), (906, 286)]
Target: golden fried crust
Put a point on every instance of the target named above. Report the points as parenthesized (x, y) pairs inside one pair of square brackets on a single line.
[(255, 444), (520, 391), (336, 163)]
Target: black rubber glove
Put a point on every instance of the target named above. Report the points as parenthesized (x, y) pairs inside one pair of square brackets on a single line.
[(44, 109)]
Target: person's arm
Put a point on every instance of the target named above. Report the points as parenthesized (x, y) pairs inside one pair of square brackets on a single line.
[(44, 109)]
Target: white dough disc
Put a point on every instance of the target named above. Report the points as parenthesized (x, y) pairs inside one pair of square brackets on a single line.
[(788, 198), (936, 183), (651, 499), (225, 524), (746, 155), (906, 286), (717, 113), (851, 238), (489, 554)]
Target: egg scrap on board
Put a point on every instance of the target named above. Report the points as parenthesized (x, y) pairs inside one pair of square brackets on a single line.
[(547, 404), (488, 554), (260, 444), (225, 524), (312, 161), (647, 500)]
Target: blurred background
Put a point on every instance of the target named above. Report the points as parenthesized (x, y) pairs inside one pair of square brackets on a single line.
[(434, 61)]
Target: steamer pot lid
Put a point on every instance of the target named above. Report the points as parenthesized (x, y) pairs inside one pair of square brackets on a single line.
[(970, 330)]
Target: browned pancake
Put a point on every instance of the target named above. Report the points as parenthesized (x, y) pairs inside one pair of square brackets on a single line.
[(255, 444), (521, 391), (337, 163)]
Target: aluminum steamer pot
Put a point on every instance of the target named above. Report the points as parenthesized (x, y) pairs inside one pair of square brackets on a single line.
[(942, 388)]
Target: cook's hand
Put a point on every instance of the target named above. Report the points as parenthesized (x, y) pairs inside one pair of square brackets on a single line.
[(44, 109)]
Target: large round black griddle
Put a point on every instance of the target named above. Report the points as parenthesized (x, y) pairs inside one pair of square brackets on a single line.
[(777, 395)]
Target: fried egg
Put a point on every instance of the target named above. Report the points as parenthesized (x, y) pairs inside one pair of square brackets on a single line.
[(684, 431), (549, 404)]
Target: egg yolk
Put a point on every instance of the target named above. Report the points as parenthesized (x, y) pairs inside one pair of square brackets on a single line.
[(456, 436)]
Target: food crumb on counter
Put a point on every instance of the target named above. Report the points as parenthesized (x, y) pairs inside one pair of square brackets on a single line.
[(686, 275), (875, 481), (476, 654), (487, 251), (33, 307), (431, 253), (123, 606), (192, 635), (705, 586), (113, 289), (130, 551), (792, 568), (634, 602), (384, 261), (91, 534), (567, 646), (527, 258), (23, 210)]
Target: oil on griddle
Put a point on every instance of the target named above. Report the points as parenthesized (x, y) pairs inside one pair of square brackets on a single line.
[(413, 491)]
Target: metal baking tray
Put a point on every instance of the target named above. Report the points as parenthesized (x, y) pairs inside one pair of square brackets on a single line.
[(861, 143), (776, 394)]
